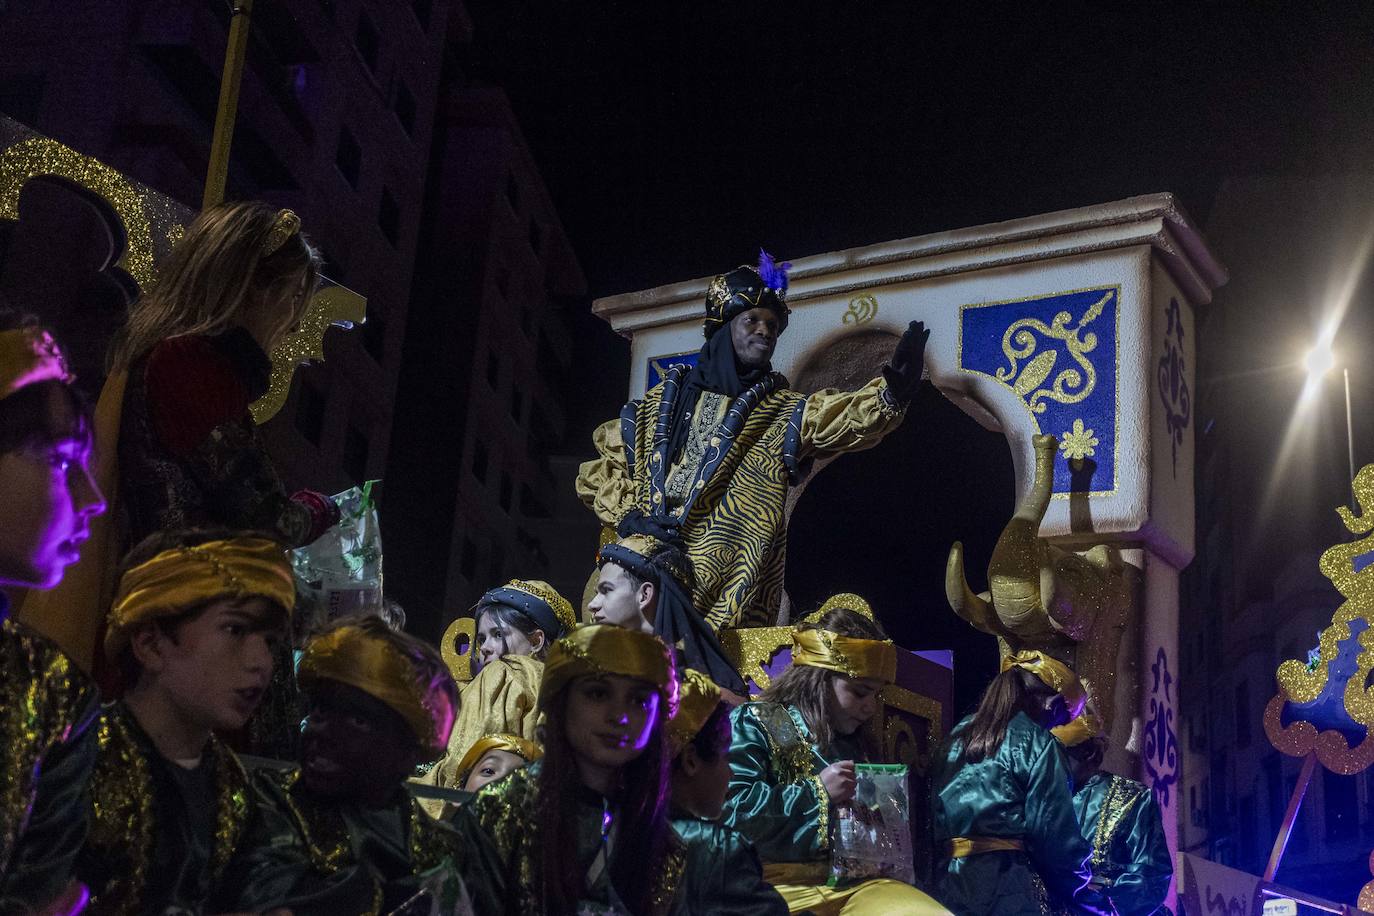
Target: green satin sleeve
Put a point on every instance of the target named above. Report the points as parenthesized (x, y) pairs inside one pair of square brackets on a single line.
[(723, 874), (1052, 837), (786, 821)]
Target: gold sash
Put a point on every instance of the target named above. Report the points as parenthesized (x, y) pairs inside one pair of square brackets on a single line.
[(961, 847)]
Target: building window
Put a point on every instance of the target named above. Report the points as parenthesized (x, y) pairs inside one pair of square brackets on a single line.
[(497, 566), (507, 492), (468, 563), (536, 236), (310, 407), (479, 461), (355, 454), (493, 370), (1342, 807), (349, 157), (374, 337), (405, 108), (513, 192), (389, 217), (1243, 714), (422, 10), (367, 41), (517, 402)]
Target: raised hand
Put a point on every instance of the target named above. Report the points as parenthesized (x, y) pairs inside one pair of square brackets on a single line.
[(903, 371)]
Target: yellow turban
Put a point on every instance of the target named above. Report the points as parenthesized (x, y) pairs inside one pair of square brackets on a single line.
[(523, 748), (1078, 730), (378, 667), (848, 655), (183, 577), (29, 356), (603, 648), (1053, 673), (698, 697)]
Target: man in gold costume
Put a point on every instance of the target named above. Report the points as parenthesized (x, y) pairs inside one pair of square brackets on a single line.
[(709, 453)]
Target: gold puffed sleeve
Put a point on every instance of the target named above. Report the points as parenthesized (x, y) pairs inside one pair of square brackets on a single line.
[(848, 421), (604, 483)]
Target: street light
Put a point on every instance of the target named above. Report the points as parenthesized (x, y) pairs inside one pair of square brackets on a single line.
[(1319, 361)]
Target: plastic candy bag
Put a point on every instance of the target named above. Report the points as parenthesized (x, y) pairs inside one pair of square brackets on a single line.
[(341, 573), (872, 836)]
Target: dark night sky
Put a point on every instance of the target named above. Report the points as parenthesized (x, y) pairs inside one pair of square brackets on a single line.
[(677, 138)]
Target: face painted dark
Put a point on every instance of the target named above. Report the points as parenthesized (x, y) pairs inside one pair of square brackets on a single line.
[(355, 747)]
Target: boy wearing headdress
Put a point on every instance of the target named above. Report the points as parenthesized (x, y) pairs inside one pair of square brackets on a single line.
[(340, 833), (191, 632), (708, 454), (645, 584), (1121, 821), (723, 874), (47, 703)]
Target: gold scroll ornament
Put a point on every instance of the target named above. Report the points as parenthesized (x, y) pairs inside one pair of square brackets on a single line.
[(1021, 341), (332, 305)]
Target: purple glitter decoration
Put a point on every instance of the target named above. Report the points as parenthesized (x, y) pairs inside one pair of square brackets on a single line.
[(774, 275)]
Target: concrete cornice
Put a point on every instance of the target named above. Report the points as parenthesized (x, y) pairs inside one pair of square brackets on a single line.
[(1153, 219)]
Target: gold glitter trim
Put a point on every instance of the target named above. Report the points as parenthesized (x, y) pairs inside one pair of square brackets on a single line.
[(1121, 798), (330, 305), (753, 648), (822, 812)]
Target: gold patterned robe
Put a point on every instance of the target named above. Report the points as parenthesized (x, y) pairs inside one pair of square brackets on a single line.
[(729, 489), (161, 835), (47, 710)]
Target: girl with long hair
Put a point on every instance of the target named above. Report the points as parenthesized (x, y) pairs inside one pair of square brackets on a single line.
[(47, 704), (587, 825), (1002, 817), (792, 757), (193, 356)]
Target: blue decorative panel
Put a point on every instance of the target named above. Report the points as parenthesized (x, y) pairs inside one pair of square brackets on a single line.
[(659, 365), (1058, 354)]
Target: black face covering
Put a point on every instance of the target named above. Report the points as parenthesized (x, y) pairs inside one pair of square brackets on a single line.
[(718, 370)]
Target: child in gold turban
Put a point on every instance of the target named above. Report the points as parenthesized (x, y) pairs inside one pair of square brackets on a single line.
[(192, 632), (1002, 813), (47, 703), (723, 874), (342, 828), (1120, 819), (792, 761), (588, 824)]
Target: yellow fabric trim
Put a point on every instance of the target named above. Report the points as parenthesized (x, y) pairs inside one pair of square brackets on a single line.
[(601, 648), (961, 847), (351, 656), (698, 697), (1078, 730), (1053, 673), (183, 577), (29, 356), (876, 897), (604, 483), (846, 654)]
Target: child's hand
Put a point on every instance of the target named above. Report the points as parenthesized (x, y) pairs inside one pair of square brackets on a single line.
[(839, 782)]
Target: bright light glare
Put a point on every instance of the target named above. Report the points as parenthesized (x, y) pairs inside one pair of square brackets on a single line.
[(1319, 361)]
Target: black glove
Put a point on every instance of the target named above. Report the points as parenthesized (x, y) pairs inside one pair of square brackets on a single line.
[(655, 526), (903, 371)]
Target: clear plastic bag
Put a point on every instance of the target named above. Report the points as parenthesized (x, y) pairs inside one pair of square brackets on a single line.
[(871, 838), (341, 573)]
